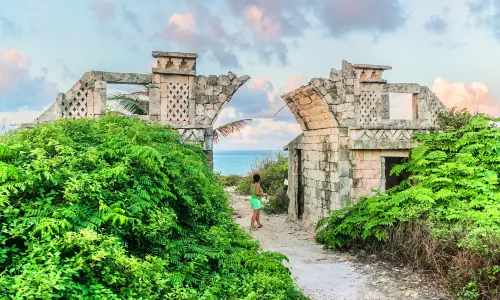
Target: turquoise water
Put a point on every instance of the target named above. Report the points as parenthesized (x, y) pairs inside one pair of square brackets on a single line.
[(238, 162)]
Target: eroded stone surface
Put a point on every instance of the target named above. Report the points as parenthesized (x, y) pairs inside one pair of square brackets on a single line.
[(347, 134)]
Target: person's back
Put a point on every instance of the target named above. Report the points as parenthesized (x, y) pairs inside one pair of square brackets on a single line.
[(254, 192)]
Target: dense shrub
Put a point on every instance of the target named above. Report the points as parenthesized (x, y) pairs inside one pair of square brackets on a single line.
[(448, 221), (229, 180), (115, 208), (273, 169)]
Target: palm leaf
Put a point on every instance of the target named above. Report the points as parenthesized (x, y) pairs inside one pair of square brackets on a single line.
[(229, 128), (129, 103)]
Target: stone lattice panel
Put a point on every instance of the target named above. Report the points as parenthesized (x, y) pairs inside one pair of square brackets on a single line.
[(74, 105), (366, 110), (177, 102)]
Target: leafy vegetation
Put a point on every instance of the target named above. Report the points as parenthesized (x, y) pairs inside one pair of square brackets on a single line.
[(116, 208), (230, 180), (273, 169), (448, 221)]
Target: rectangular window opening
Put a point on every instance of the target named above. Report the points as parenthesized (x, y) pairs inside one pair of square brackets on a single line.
[(400, 106), (393, 180), (128, 99)]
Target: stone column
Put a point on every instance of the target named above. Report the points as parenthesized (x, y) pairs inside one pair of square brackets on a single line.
[(58, 108), (154, 102), (100, 98), (208, 146)]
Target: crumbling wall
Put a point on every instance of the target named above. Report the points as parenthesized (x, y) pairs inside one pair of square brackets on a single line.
[(212, 93), (344, 153)]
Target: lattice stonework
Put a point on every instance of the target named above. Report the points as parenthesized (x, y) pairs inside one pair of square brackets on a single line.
[(367, 108), (74, 105), (177, 102)]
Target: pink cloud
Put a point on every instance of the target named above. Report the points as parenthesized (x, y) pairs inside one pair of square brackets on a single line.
[(293, 82), (183, 22), (105, 9), (262, 24), (266, 131), (474, 96), (18, 88)]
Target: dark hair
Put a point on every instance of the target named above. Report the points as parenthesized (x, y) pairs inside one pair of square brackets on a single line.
[(256, 178)]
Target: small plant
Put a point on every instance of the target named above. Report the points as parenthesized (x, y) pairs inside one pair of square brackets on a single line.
[(230, 180)]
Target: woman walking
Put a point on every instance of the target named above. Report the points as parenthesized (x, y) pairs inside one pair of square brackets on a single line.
[(255, 201)]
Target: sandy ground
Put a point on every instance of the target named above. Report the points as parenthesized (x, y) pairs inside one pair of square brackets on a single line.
[(326, 274)]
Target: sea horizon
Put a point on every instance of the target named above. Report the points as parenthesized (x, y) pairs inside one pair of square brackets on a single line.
[(239, 162)]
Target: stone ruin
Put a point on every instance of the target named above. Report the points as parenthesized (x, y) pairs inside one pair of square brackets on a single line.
[(177, 97), (349, 141)]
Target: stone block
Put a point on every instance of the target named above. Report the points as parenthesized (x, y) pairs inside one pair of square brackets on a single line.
[(229, 90), (316, 82), (212, 80), (217, 89), (205, 99), (222, 98), (209, 90), (231, 75), (223, 80), (213, 99)]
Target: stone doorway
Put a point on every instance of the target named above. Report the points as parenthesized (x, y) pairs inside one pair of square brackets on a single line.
[(390, 181), (300, 186)]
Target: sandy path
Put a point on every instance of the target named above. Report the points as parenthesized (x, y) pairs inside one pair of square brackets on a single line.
[(324, 274)]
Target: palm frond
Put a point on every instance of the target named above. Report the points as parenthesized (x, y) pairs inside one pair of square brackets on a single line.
[(129, 103), (229, 128)]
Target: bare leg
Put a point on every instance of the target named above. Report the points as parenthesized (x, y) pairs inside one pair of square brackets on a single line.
[(254, 216), (258, 219)]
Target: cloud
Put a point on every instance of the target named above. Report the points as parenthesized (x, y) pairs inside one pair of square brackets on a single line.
[(293, 82), (9, 28), (474, 96), (487, 13), (19, 90), (105, 9), (206, 35), (436, 24), (342, 17), (131, 18)]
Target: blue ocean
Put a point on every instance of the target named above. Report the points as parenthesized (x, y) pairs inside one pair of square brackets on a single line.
[(238, 162)]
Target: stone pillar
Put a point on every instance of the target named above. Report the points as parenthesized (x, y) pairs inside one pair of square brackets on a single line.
[(58, 108), (154, 102), (100, 98), (208, 146), (175, 73)]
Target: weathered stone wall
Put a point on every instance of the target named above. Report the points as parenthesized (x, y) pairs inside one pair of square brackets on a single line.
[(177, 96), (212, 93), (347, 133)]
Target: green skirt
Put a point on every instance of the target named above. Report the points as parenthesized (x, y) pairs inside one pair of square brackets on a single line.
[(255, 203)]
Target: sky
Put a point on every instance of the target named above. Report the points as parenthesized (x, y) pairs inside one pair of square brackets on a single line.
[(451, 46)]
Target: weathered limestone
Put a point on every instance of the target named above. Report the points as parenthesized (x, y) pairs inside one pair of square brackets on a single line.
[(348, 135), (177, 97)]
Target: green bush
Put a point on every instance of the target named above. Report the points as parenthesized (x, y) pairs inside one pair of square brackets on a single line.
[(449, 219), (230, 180), (115, 208), (273, 170), (278, 203)]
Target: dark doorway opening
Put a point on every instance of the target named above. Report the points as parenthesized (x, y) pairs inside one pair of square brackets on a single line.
[(393, 180), (300, 187)]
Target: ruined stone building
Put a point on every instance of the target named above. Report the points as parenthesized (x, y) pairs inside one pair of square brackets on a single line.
[(349, 140), (177, 96)]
